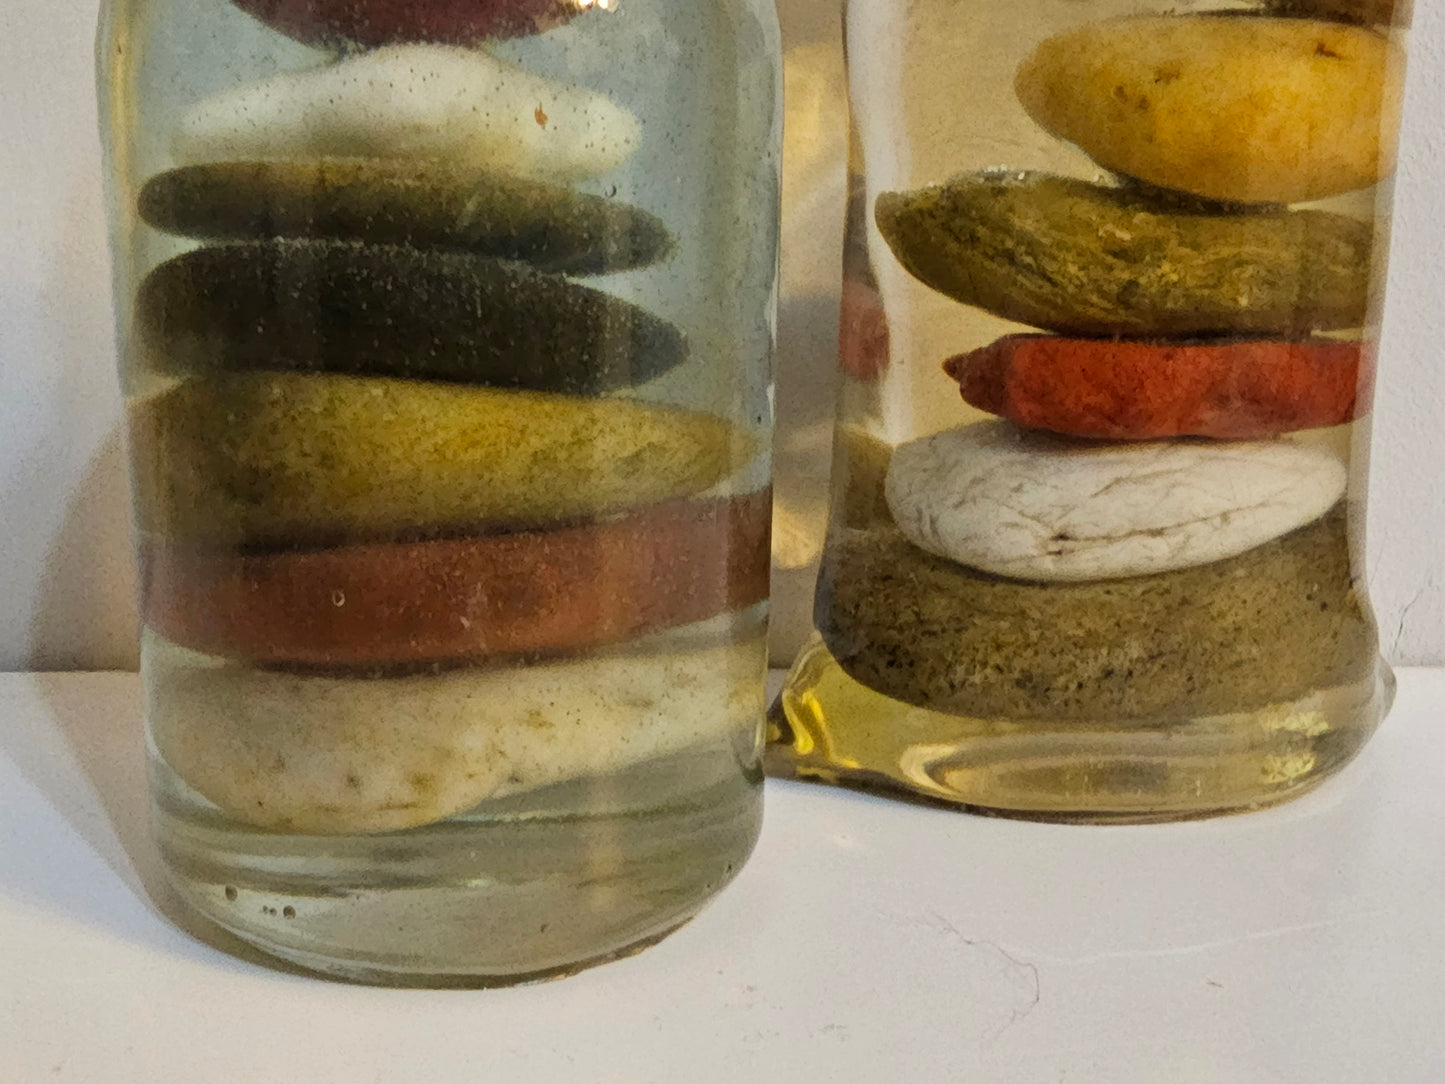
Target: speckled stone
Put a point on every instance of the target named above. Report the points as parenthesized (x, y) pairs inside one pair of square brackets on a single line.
[(1085, 259), (1382, 12), (425, 204), (321, 754), (392, 310), (415, 102), (1126, 390), (1240, 109), (370, 23), (1030, 505), (860, 470), (278, 458), (1270, 625), (567, 589)]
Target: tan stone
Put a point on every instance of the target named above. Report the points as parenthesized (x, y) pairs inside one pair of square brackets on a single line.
[(1242, 109)]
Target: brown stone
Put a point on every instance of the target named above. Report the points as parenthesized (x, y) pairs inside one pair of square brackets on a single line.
[(527, 593), (385, 22), (1268, 626), (1139, 391)]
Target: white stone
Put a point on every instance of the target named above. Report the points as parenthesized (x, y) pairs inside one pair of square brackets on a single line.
[(314, 753), (1034, 506), (415, 101)]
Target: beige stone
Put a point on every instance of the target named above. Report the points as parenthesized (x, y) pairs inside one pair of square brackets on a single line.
[(415, 102), (321, 754)]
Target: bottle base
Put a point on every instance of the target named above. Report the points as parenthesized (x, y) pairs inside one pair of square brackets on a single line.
[(827, 727), (521, 889)]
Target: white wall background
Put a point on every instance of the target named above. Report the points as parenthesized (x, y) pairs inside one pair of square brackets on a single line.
[(65, 573)]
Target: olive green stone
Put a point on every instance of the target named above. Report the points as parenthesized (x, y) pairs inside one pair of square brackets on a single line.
[(427, 204), (272, 458), (1270, 625), (860, 471), (336, 306), (1398, 12), (1085, 259)]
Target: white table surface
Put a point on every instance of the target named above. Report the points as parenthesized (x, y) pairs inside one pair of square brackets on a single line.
[(866, 940)]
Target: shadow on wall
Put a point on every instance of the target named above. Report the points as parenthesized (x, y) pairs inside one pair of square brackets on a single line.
[(84, 615), (72, 541)]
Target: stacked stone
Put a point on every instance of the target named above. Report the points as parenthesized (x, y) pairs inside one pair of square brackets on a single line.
[(399, 438), (1137, 537)]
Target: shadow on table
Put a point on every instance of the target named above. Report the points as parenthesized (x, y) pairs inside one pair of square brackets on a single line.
[(88, 757), (95, 722)]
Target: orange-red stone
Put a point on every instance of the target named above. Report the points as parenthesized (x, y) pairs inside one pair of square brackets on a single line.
[(388, 22), (1138, 391)]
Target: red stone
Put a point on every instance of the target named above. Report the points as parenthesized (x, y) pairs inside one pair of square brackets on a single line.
[(1138, 390), (531, 592), (862, 332), (372, 23)]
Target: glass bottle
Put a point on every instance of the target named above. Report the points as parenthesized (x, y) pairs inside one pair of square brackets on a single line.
[(1108, 339), (446, 333)]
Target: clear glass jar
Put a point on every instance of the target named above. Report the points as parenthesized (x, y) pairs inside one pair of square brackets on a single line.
[(446, 332), (1108, 338)]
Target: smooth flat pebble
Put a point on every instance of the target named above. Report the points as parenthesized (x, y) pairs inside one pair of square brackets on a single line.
[(426, 204), (1087, 259), (393, 310), (1108, 389), (1240, 109), (1382, 12), (285, 458), (322, 754), (1033, 506), (415, 102), (566, 589), (371, 23), (1269, 626)]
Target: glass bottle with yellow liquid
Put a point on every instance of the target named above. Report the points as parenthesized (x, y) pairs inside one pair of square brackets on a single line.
[(1108, 340)]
